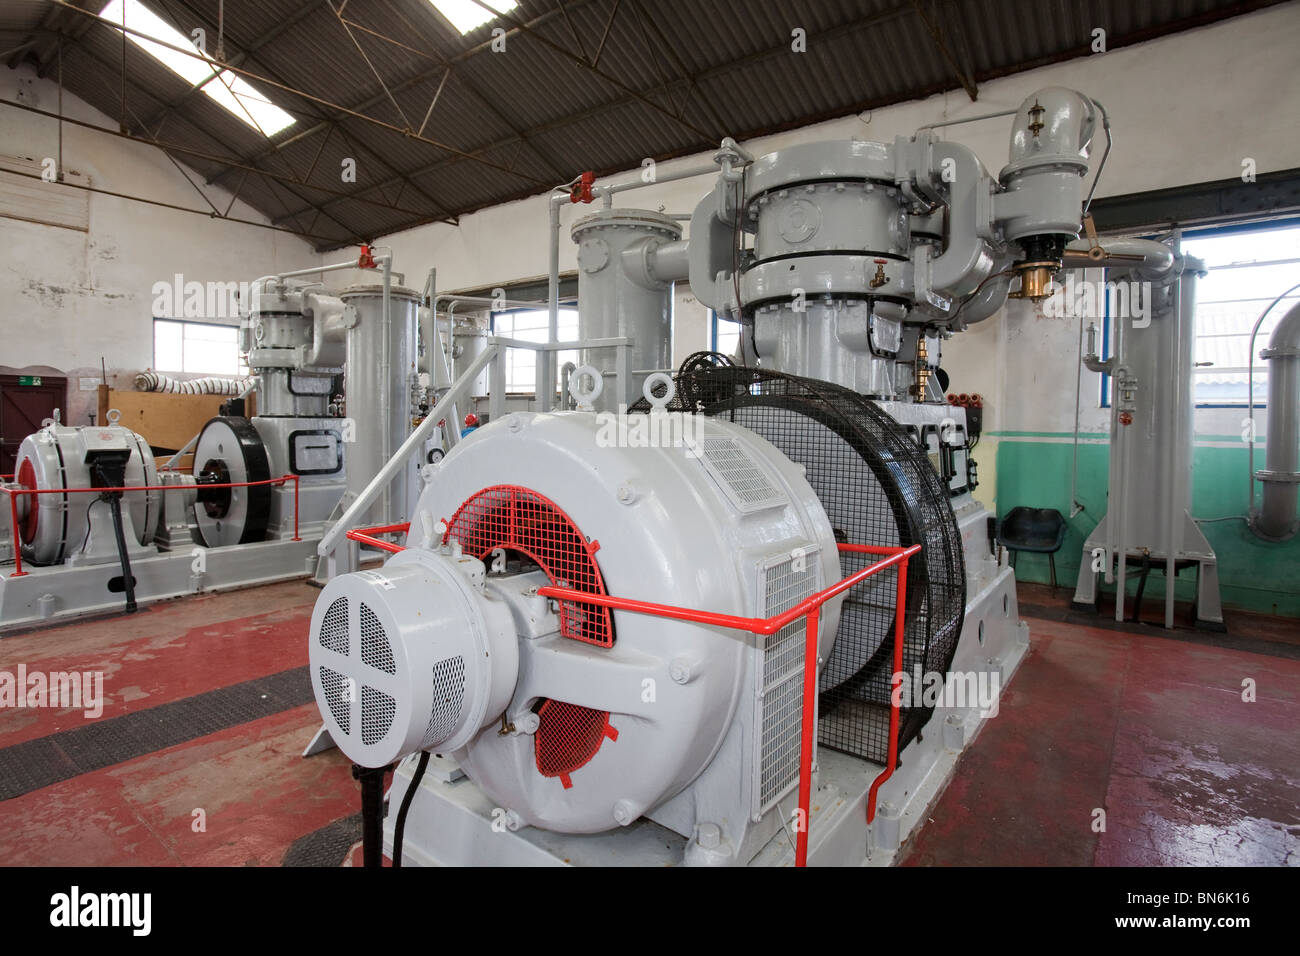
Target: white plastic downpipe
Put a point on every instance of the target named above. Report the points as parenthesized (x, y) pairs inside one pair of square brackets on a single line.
[(1276, 518)]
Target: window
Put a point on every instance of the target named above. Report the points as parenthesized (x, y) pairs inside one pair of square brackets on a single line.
[(726, 335), (530, 325), (467, 15), (1247, 267), (233, 92), (197, 347)]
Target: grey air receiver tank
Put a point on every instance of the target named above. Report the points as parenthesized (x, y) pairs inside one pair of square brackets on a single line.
[(624, 293), (380, 375)]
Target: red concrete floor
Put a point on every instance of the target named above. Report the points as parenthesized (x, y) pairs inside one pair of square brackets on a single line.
[(256, 794), (1151, 729)]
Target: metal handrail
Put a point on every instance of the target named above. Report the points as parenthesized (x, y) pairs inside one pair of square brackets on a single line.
[(809, 609)]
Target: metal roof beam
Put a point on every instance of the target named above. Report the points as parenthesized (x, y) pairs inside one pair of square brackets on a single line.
[(936, 35)]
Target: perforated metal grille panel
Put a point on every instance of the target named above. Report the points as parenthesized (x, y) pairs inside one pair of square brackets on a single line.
[(376, 652), (377, 711), (878, 487), (740, 477), (783, 584), (568, 736), (519, 519), (338, 694), (448, 699), (334, 627)]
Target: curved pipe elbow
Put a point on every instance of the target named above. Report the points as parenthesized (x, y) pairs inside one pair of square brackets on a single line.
[(1148, 258), (987, 301), (968, 259)]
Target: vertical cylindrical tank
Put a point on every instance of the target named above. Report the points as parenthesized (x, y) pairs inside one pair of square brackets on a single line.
[(378, 384), (620, 295), (467, 343), (1276, 519), (1158, 353)]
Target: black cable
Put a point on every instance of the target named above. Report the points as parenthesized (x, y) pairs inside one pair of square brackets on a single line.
[(372, 813), (123, 557), (400, 826), (93, 502)]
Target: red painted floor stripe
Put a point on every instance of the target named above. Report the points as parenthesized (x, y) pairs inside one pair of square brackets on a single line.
[(154, 659), (257, 794)]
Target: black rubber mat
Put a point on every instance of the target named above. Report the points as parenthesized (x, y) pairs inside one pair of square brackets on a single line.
[(39, 763), (327, 846)]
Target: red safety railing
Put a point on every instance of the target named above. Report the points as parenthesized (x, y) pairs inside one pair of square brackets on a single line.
[(809, 609), (367, 536), (13, 494)]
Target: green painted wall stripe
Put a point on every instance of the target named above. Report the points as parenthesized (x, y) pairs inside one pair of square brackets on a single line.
[(1254, 574)]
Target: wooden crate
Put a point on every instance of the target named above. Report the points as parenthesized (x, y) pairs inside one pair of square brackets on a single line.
[(165, 419)]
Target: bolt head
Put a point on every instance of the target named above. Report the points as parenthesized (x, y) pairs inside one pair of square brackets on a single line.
[(709, 835)]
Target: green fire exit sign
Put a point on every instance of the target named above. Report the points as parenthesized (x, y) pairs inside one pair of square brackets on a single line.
[(29, 380)]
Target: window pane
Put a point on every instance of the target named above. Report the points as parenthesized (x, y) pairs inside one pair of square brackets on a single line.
[(531, 325), (168, 353), (727, 339), (198, 348), (1247, 270), (211, 349)]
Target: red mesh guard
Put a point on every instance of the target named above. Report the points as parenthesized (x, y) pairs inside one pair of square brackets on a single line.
[(26, 478), (516, 518), (568, 736)]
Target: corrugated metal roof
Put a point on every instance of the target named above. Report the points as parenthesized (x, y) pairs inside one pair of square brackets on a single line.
[(582, 84)]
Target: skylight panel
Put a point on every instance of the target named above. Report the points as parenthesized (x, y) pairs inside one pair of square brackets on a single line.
[(233, 92), (466, 15)]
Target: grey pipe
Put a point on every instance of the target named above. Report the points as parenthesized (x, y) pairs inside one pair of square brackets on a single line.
[(1148, 258), (393, 467), (544, 381), (565, 373), (1250, 393), (1276, 518)]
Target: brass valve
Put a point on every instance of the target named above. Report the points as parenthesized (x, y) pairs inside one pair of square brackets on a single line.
[(880, 278)]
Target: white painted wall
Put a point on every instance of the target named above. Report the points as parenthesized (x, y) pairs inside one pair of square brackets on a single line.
[(1184, 109), (69, 297)]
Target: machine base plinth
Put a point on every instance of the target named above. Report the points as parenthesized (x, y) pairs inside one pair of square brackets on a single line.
[(453, 823), (47, 595), (1195, 551)]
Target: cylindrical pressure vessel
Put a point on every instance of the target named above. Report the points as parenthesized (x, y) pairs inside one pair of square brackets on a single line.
[(380, 368), (620, 295)]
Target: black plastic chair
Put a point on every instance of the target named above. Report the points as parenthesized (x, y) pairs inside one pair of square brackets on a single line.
[(1036, 530)]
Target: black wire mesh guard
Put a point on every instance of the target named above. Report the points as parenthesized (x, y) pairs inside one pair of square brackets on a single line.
[(878, 487)]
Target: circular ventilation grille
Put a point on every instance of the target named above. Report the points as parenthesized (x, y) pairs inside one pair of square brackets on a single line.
[(410, 657), (377, 707), (568, 736), (519, 519)]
